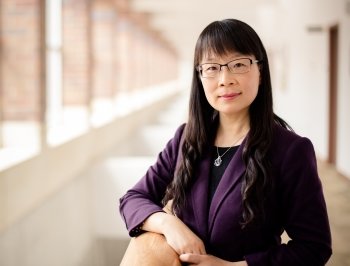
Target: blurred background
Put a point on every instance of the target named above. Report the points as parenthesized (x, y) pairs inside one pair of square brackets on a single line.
[(91, 90)]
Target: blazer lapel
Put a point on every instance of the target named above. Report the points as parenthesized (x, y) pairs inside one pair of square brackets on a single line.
[(231, 176)]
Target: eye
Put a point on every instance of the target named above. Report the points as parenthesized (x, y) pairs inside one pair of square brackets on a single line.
[(239, 65), (210, 67)]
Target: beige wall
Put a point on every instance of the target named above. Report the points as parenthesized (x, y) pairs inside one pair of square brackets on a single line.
[(300, 70)]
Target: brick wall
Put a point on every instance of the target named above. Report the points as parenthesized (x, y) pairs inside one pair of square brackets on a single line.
[(106, 49), (20, 59), (103, 20)]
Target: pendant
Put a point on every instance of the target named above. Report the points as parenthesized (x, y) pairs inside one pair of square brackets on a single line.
[(218, 161)]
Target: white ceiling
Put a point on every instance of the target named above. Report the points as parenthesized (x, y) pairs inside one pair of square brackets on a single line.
[(276, 21), (181, 21)]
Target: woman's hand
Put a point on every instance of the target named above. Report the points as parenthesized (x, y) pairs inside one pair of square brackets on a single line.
[(181, 238), (177, 234), (208, 260)]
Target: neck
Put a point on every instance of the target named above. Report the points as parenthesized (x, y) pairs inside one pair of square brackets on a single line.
[(232, 129)]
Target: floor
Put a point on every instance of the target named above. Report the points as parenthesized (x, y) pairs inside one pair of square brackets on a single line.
[(337, 193), (141, 148)]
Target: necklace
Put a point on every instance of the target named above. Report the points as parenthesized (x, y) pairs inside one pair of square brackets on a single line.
[(218, 160)]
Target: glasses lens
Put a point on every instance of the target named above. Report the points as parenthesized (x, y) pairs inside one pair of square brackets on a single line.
[(239, 66), (210, 70)]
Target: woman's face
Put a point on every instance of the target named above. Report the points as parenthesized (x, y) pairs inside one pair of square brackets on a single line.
[(231, 93)]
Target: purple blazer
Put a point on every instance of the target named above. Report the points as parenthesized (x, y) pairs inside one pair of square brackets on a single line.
[(297, 205)]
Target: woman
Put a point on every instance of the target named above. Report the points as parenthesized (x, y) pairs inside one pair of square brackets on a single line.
[(236, 174)]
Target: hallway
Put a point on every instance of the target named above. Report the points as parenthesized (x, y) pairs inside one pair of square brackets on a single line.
[(91, 91)]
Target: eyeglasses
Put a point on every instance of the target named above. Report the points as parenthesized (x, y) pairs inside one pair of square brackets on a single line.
[(237, 66)]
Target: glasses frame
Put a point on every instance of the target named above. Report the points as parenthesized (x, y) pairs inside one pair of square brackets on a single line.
[(252, 61)]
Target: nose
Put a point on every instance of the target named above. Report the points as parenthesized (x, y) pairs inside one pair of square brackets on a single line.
[(226, 77)]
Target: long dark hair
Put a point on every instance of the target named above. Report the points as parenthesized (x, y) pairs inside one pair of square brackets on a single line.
[(220, 38)]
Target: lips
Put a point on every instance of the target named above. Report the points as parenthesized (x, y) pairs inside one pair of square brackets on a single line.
[(230, 95)]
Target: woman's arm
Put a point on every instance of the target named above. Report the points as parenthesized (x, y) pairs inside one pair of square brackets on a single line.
[(177, 234), (145, 197), (141, 206)]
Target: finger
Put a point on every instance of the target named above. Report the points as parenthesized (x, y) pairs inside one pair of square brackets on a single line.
[(189, 257), (202, 251), (199, 250), (195, 249)]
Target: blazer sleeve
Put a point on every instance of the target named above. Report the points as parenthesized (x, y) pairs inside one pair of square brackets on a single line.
[(303, 210), (145, 197)]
